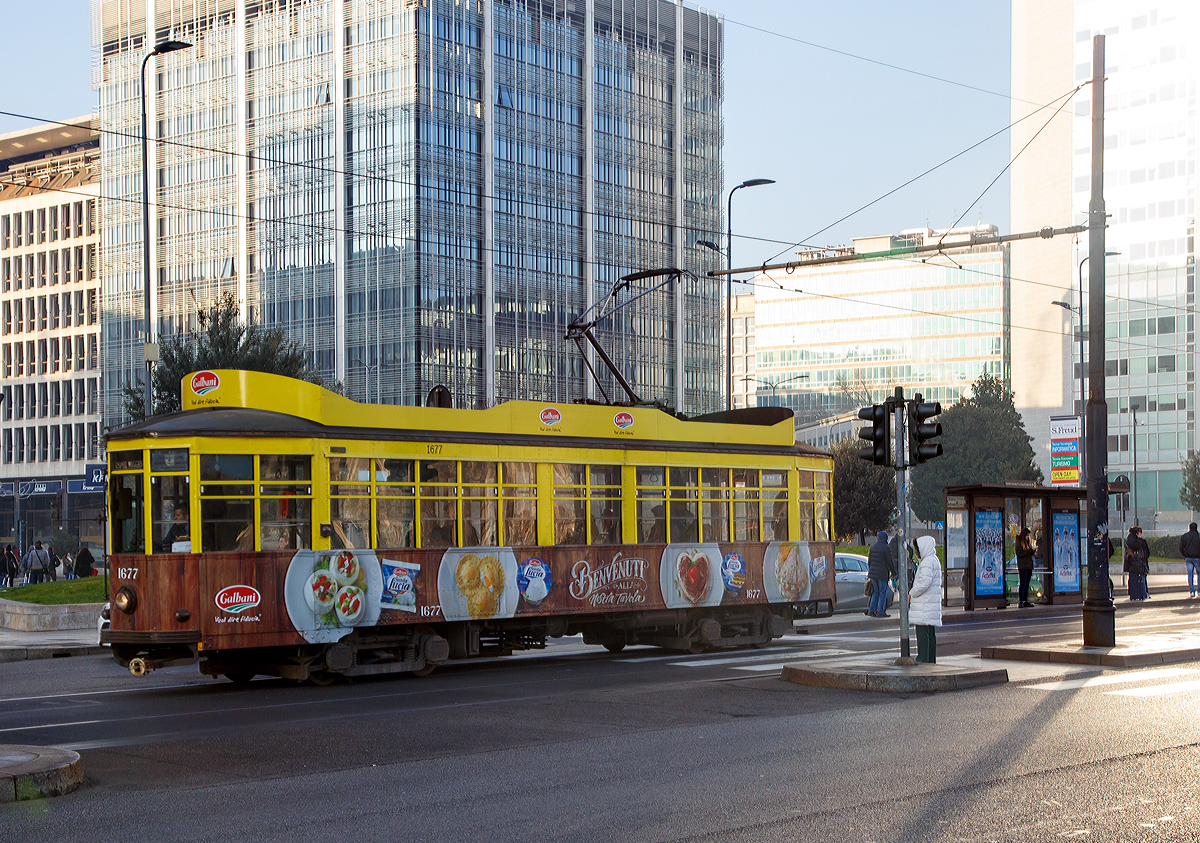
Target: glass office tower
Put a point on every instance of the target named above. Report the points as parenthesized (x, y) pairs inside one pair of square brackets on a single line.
[(421, 193)]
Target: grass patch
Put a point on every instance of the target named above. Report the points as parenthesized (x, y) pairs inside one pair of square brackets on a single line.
[(88, 590)]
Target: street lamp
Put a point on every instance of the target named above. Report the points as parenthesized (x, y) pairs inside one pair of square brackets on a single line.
[(160, 49), (368, 367), (774, 385), (729, 287)]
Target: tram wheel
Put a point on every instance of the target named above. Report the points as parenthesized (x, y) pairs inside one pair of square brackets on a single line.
[(424, 671), (321, 678), (614, 646), (697, 648), (240, 678)]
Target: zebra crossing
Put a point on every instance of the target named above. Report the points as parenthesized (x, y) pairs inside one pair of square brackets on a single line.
[(1189, 682)]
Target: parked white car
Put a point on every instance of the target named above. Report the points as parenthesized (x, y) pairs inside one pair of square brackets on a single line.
[(102, 622), (850, 577)]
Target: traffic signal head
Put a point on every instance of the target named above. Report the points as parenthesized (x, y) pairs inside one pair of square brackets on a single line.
[(878, 434), (921, 430)]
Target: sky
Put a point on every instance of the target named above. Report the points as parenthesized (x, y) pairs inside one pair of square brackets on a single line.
[(834, 132)]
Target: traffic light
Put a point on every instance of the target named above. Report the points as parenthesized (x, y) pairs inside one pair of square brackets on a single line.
[(921, 430), (878, 434), (56, 506)]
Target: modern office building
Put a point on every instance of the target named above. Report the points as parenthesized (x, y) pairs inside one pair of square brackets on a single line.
[(832, 337), (49, 333), (421, 193), (1150, 160)]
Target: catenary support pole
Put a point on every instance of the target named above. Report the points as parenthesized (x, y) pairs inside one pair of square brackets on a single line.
[(1099, 616), (901, 464)]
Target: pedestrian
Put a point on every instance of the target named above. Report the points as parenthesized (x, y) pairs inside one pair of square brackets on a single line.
[(1137, 563), (1025, 554), (881, 566), (925, 600), (12, 568), (83, 562), (1189, 549), (37, 562), (54, 563), (68, 563)]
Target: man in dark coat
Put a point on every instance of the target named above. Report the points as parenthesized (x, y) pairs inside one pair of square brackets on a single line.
[(84, 562), (881, 566), (1189, 549), (1137, 563)]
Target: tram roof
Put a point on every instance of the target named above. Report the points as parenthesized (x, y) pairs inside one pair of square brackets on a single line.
[(228, 402)]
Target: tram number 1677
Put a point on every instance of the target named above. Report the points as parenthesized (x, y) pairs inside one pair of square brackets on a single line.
[(127, 573)]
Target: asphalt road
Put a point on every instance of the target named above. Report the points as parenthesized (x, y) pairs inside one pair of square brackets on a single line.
[(578, 744)]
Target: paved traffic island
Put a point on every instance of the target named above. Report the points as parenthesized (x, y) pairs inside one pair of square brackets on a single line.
[(35, 772), (883, 675), (1131, 651)]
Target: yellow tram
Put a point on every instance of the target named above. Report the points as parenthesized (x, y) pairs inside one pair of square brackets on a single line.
[(274, 527)]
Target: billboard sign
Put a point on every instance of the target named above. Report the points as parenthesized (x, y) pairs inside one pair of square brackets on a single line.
[(1065, 447)]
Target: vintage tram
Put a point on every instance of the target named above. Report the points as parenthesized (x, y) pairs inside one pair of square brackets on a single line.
[(274, 527)]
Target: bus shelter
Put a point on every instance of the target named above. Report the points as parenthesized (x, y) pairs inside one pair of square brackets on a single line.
[(982, 525)]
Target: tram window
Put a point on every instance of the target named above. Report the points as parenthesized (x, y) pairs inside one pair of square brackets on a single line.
[(822, 521), (775, 514), (285, 507), (806, 480), (170, 514), (806, 531), (169, 459), (126, 460), (651, 504), (285, 522), (349, 476), (125, 512), (745, 504), (439, 503), (605, 503), (394, 471), (226, 467), (351, 521), (226, 524), (684, 512), (714, 504), (822, 478), (570, 504), (479, 510), (518, 496), (394, 518)]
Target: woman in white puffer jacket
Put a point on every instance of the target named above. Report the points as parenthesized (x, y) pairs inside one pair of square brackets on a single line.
[(925, 600)]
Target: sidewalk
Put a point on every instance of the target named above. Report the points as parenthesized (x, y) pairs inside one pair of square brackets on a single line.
[(18, 646)]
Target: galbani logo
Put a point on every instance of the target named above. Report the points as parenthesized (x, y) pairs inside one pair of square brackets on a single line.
[(205, 382), (237, 598), (551, 416), (623, 420)]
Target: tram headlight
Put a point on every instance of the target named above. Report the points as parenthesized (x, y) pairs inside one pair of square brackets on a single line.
[(125, 599)]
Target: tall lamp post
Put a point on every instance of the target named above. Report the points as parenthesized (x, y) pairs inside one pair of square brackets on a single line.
[(729, 287), (159, 49), (774, 385), (1133, 445)]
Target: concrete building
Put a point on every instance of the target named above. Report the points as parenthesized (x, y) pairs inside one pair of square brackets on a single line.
[(421, 193), (834, 337), (745, 380), (1150, 190), (49, 333)]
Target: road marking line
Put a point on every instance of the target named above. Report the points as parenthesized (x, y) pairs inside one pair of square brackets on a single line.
[(737, 658), (763, 668), (1159, 690), (1118, 679)]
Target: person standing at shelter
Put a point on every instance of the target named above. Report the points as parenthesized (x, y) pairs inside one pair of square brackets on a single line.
[(1025, 554), (36, 562), (881, 566), (925, 600), (1137, 562), (1189, 549), (12, 568)]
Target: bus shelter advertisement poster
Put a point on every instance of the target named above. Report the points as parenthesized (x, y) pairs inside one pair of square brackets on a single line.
[(1066, 551), (989, 553)]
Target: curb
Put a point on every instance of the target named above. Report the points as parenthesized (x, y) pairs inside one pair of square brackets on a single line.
[(893, 682), (1091, 655), (16, 654), (35, 772)]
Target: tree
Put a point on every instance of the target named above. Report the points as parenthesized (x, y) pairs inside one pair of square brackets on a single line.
[(1189, 493), (864, 494), (984, 441), (223, 342)]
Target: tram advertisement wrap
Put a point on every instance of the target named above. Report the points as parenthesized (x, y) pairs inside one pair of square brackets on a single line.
[(329, 593)]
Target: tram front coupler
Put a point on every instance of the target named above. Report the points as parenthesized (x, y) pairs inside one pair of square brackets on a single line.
[(138, 667)]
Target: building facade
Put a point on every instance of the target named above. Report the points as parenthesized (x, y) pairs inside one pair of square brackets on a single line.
[(420, 193), (832, 337), (49, 334), (1150, 194)]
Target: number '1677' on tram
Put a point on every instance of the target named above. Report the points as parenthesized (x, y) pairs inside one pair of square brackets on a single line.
[(274, 527)]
